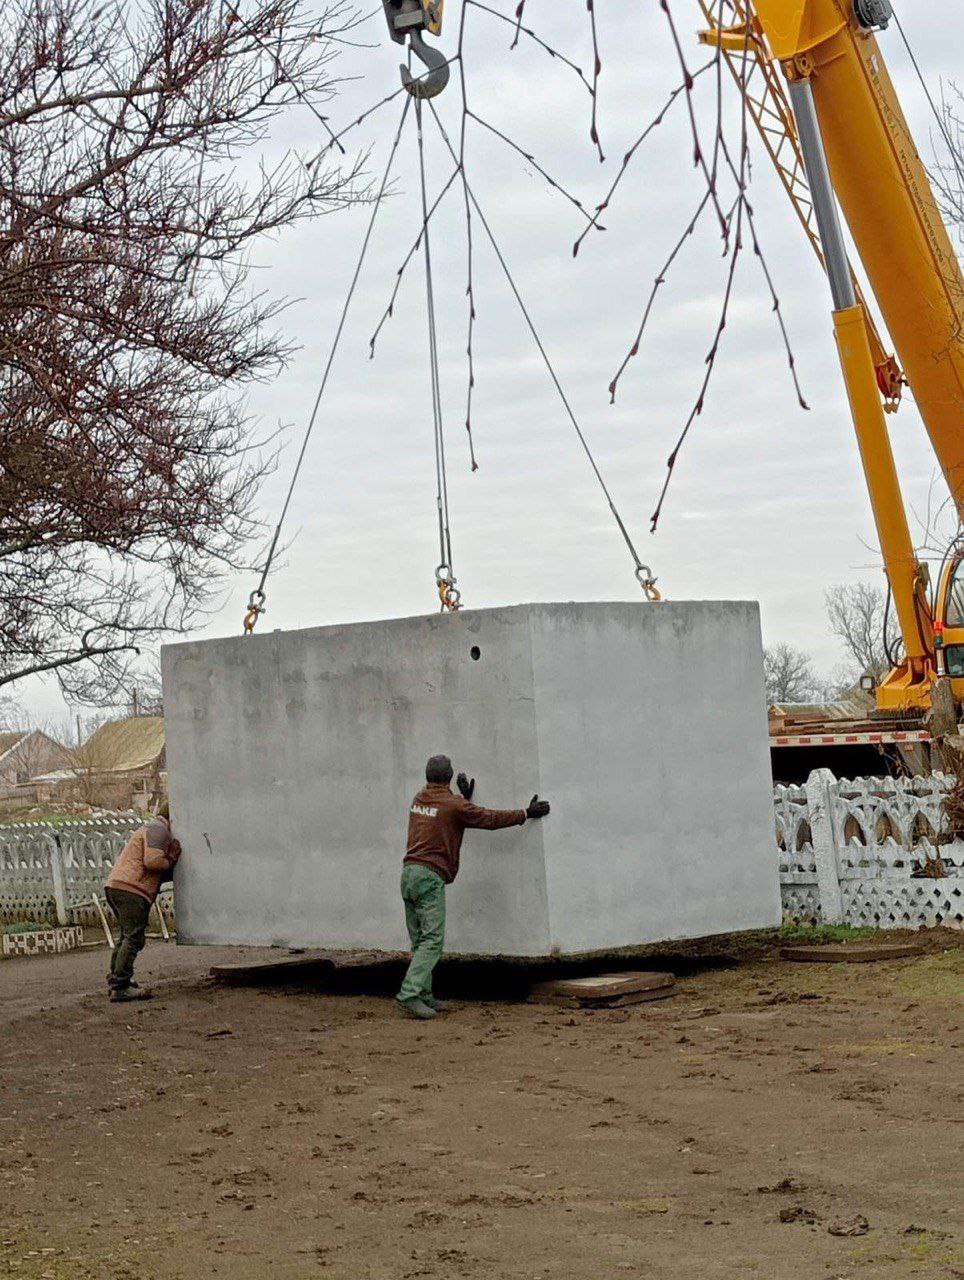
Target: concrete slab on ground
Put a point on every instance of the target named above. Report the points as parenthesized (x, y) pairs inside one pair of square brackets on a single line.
[(851, 953)]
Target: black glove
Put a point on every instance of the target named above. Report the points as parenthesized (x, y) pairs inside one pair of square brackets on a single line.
[(465, 786), (537, 808)]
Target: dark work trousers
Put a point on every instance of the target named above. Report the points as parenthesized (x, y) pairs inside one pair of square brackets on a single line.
[(132, 912)]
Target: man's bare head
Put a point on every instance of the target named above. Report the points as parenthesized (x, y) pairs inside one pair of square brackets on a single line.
[(439, 770)]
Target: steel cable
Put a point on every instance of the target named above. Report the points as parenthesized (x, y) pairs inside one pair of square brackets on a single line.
[(256, 601), (441, 476), (643, 572), (941, 122)]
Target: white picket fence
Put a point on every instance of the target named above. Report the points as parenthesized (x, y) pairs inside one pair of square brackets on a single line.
[(846, 851)]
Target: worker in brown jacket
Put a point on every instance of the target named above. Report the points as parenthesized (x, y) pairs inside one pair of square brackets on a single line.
[(144, 863), (436, 824)]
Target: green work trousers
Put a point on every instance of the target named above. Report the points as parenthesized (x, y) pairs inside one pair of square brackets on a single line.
[(132, 912), (423, 892)]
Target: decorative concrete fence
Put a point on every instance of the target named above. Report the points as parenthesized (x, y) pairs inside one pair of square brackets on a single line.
[(40, 942), (848, 851), (47, 869)]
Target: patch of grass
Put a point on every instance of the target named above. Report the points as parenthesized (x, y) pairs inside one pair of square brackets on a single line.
[(645, 1204), (930, 1248), (24, 926), (825, 933), (40, 1263), (935, 977), (888, 1048)]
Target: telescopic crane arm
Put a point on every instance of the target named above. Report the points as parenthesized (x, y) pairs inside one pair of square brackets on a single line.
[(857, 150)]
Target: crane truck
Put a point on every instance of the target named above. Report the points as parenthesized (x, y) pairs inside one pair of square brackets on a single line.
[(832, 123)]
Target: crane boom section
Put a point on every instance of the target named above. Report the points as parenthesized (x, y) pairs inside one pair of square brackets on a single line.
[(886, 198)]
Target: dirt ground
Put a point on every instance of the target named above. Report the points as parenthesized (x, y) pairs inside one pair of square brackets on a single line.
[(283, 1132)]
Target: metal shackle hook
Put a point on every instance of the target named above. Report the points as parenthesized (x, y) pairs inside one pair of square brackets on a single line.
[(435, 79), (644, 576)]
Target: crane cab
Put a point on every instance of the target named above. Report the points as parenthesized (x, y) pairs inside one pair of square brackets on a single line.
[(949, 624)]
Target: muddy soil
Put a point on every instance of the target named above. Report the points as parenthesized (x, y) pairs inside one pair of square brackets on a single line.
[(282, 1132)]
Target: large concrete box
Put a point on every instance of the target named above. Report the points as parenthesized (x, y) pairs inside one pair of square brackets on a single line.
[(293, 758)]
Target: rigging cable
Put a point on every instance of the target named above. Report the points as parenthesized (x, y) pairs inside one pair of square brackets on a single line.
[(941, 122), (449, 594), (644, 574), (256, 601)]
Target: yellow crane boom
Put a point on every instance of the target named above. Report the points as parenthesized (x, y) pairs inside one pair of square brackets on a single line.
[(850, 132)]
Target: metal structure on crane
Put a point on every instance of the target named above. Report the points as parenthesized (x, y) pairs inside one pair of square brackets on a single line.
[(837, 133)]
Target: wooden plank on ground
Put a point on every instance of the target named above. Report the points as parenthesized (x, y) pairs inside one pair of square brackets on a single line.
[(851, 952), (613, 1002), (604, 990)]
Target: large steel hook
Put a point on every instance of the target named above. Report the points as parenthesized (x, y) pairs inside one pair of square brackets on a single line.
[(433, 81)]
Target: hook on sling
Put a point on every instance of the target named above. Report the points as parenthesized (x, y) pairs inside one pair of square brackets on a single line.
[(644, 576), (407, 19), (256, 607), (435, 79), (448, 592)]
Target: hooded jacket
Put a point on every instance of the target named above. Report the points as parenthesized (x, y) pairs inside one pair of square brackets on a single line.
[(146, 861), (436, 824)]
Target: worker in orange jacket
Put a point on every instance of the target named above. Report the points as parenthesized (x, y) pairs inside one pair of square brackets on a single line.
[(145, 862)]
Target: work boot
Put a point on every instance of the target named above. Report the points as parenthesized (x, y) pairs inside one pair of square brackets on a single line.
[(440, 1006), (415, 1008), (121, 995)]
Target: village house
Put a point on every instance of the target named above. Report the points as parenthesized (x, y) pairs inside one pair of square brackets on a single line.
[(25, 753), (120, 766)]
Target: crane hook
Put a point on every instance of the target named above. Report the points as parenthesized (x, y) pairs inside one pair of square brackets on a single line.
[(435, 79)]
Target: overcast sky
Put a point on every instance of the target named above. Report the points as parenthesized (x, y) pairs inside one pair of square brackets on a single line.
[(768, 501)]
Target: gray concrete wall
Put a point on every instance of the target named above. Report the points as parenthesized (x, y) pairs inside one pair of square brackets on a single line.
[(653, 744), (293, 757)]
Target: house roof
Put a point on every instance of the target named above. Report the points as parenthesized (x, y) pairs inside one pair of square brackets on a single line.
[(9, 740), (122, 746)]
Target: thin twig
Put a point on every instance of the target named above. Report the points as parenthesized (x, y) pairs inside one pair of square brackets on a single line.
[(628, 157), (596, 70), (548, 48), (390, 309), (530, 159)]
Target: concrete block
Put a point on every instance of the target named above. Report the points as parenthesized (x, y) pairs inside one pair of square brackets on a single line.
[(293, 758)]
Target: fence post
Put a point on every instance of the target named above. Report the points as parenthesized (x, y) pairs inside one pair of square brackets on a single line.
[(58, 877), (819, 789)]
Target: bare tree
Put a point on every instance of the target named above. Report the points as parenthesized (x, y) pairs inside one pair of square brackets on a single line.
[(949, 170), (789, 675), (855, 612), (127, 472)]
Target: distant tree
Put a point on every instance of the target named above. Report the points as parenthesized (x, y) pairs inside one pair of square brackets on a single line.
[(127, 322), (789, 675), (146, 694), (855, 612), (12, 715)]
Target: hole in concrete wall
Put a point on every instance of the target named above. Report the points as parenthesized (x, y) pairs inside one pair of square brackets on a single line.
[(475, 653)]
